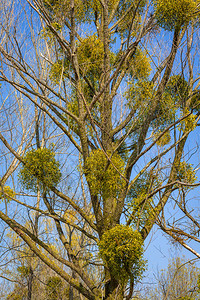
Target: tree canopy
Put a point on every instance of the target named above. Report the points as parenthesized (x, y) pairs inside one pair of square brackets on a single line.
[(99, 118)]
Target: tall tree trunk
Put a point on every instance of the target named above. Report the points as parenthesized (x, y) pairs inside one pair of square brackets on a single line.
[(30, 284), (113, 289)]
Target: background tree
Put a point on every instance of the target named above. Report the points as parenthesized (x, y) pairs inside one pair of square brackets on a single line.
[(100, 120), (178, 281)]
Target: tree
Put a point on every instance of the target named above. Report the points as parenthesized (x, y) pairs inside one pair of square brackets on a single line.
[(178, 281), (31, 278), (100, 117)]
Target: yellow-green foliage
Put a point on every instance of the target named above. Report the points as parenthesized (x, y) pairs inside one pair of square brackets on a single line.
[(121, 248), (97, 6), (72, 106), (198, 285), (57, 8), (140, 65), (195, 102), (40, 167), (166, 111), (188, 123), (186, 173), (174, 97), (138, 206), (53, 288), (175, 13), (104, 180), (130, 19), (178, 88), (12, 296), (85, 10), (142, 209), (46, 32), (90, 55), (164, 139), (139, 94), (48, 35), (141, 186), (58, 70), (6, 193), (24, 271)]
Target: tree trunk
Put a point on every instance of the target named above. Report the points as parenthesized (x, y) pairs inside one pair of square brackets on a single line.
[(30, 284), (113, 289)]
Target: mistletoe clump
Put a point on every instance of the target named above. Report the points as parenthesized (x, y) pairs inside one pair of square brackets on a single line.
[(6, 193), (53, 287), (40, 167), (164, 139), (59, 70), (188, 123), (103, 176), (186, 173), (90, 55), (172, 14), (121, 248)]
